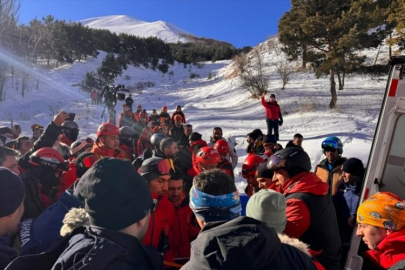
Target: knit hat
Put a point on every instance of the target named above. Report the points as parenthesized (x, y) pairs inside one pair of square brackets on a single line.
[(270, 207), (263, 172), (195, 136), (384, 210), (151, 169), (115, 195), (269, 139), (12, 192), (354, 166)]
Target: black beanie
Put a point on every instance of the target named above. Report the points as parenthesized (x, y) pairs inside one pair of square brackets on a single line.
[(269, 139), (263, 172), (115, 195), (195, 136), (354, 166), (12, 192)]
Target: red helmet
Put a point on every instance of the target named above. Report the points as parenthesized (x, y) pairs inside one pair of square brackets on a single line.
[(106, 129), (50, 157), (178, 117), (250, 165), (164, 109), (207, 155), (222, 147)]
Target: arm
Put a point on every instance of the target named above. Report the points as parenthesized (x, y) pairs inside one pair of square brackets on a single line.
[(298, 218), (233, 156), (264, 103)]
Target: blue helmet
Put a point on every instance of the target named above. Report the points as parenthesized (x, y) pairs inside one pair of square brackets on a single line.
[(332, 143)]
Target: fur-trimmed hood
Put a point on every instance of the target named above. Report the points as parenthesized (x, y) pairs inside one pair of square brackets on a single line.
[(75, 218), (285, 239)]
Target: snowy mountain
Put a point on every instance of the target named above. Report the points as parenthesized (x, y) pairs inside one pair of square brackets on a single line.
[(132, 26)]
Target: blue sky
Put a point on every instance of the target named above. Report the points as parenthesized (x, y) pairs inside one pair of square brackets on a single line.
[(239, 22)]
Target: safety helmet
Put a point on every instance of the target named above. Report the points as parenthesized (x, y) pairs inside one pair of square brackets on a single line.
[(37, 126), (250, 165), (50, 157), (178, 117), (127, 132), (332, 143), (207, 155), (222, 147), (143, 114), (156, 139), (294, 160), (106, 129), (164, 109)]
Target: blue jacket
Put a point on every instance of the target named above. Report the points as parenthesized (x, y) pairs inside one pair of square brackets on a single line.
[(7, 253), (351, 194)]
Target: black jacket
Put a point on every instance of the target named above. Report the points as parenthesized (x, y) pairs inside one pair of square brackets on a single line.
[(244, 243), (176, 133)]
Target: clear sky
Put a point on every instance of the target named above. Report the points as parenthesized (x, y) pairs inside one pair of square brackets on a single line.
[(239, 22)]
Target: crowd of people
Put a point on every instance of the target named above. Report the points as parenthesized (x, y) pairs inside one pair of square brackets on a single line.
[(152, 194)]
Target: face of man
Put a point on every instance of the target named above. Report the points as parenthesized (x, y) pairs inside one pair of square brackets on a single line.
[(36, 133), (298, 141), (11, 164), (25, 146), (159, 185), (371, 235), (280, 177), (217, 134), (110, 141), (188, 131), (165, 131), (272, 99), (172, 151), (264, 183), (178, 123), (348, 178), (175, 190), (331, 154)]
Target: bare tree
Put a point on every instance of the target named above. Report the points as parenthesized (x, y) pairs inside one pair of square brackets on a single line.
[(285, 68)]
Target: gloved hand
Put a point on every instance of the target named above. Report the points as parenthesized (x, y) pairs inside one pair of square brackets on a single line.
[(280, 122)]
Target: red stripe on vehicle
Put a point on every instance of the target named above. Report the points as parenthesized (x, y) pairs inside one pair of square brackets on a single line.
[(366, 194), (393, 88)]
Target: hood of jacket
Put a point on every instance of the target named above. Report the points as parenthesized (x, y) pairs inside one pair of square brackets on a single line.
[(285, 239), (242, 243), (305, 182)]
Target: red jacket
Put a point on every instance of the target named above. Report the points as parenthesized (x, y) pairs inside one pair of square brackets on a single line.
[(129, 151), (272, 109), (185, 227), (128, 122), (182, 116), (65, 140), (103, 151), (144, 140), (68, 177), (194, 147), (390, 251)]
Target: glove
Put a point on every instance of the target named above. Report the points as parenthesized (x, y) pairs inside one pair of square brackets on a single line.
[(280, 123)]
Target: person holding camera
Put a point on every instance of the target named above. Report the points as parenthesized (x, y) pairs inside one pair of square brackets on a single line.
[(273, 115)]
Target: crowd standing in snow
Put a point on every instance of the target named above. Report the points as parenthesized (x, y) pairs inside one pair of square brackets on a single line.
[(150, 193)]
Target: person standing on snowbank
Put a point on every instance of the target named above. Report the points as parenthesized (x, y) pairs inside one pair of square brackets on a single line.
[(273, 115)]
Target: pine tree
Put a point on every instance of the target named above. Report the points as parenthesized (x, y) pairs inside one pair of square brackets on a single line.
[(110, 69)]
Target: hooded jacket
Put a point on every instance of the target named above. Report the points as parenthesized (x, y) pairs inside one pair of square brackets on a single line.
[(311, 217), (243, 243)]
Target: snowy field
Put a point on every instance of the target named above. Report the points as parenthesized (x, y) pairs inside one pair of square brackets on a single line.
[(219, 101)]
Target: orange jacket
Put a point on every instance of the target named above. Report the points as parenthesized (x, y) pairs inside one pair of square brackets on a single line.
[(103, 151)]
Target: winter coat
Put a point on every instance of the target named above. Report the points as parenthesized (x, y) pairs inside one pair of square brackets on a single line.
[(7, 253), (103, 151), (176, 132), (38, 235), (129, 151), (232, 157), (227, 168), (291, 144), (272, 110), (93, 95), (129, 101), (144, 140), (332, 177), (164, 119), (68, 177), (136, 115), (183, 159), (92, 248), (311, 217), (126, 119), (65, 140), (185, 228), (183, 118), (243, 243), (389, 251), (256, 148), (154, 119)]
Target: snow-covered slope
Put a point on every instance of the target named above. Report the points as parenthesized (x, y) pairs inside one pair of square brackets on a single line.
[(128, 25)]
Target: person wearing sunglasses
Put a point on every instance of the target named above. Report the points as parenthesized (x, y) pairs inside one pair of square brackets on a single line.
[(330, 169), (157, 173), (310, 213)]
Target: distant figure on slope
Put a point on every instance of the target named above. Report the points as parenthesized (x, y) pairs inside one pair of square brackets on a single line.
[(129, 101), (273, 115)]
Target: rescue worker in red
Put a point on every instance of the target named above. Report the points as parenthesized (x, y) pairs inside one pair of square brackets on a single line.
[(165, 118), (273, 115), (178, 111), (196, 142), (222, 148), (108, 141), (144, 139), (249, 168), (127, 117), (137, 112)]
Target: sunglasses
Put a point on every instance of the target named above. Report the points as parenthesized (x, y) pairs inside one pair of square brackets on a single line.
[(88, 161), (64, 166)]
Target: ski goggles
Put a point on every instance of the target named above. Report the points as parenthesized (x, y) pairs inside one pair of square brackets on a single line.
[(329, 145), (275, 162), (88, 161), (164, 166), (49, 162), (36, 126)]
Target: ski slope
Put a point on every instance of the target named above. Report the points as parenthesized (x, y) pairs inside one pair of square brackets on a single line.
[(219, 101)]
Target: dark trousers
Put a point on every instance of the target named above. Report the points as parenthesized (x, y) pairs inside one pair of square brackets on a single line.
[(272, 125)]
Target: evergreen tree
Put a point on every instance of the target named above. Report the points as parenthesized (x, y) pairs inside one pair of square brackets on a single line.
[(110, 69)]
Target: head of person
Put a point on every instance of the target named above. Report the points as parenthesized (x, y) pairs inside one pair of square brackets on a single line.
[(269, 142), (127, 136), (379, 216), (8, 159), (175, 187), (81, 146), (126, 108), (264, 176), (139, 107), (195, 136), (288, 163), (178, 120), (157, 173), (214, 197), (24, 144), (353, 171), (154, 113), (207, 158), (71, 130), (156, 139), (108, 135), (164, 109), (85, 161), (269, 207), (143, 116), (272, 97), (6, 134), (188, 129), (12, 193), (332, 148), (249, 167), (116, 197), (164, 130), (251, 137), (222, 148), (169, 148), (17, 130), (37, 130), (178, 108), (217, 133), (297, 139), (47, 164)]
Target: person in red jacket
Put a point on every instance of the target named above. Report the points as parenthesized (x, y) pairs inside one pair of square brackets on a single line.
[(310, 212), (207, 158), (185, 227), (127, 117), (108, 141), (196, 142), (157, 172), (178, 111), (273, 115), (381, 225), (144, 139), (137, 112), (222, 148)]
